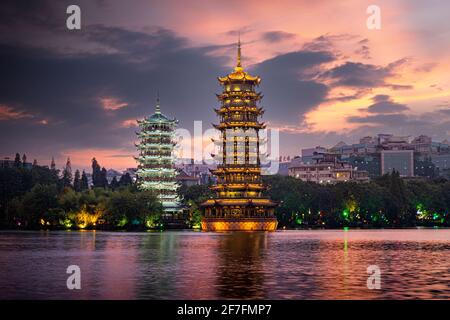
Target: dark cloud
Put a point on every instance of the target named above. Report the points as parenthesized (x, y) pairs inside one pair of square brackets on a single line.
[(239, 32), (327, 42), (445, 111), (384, 105), (65, 90), (400, 124), (387, 107), (387, 116), (53, 81), (289, 90), (363, 51), (355, 74), (381, 98), (361, 75), (426, 67), (277, 36), (389, 119), (60, 87)]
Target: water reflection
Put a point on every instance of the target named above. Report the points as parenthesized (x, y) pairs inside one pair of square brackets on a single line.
[(239, 265), (240, 268)]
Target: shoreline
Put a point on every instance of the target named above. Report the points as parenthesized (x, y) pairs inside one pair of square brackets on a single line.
[(201, 231)]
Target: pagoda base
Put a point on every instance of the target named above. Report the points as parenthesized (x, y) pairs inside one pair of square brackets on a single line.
[(239, 224)]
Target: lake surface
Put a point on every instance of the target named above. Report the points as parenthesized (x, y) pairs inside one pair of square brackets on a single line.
[(322, 264)]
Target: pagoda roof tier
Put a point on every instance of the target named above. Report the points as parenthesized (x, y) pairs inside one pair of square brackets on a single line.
[(225, 170), (157, 175), (158, 169), (168, 182), (152, 172), (144, 146), (233, 108), (239, 124), (239, 75), (158, 118), (238, 166), (244, 95), (160, 185), (155, 133), (239, 186), (220, 142), (153, 166), (239, 202), (154, 157)]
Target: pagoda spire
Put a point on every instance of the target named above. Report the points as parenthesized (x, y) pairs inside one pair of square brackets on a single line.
[(238, 65), (158, 107)]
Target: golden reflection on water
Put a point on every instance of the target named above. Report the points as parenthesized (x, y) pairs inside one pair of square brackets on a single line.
[(327, 264)]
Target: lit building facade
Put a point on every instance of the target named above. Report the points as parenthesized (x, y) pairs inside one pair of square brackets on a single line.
[(326, 169), (239, 203), (401, 161), (156, 170), (442, 163)]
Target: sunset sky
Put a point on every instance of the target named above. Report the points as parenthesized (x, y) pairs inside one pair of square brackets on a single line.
[(325, 76)]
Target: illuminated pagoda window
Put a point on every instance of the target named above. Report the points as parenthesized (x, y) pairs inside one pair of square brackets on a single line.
[(156, 169), (239, 202)]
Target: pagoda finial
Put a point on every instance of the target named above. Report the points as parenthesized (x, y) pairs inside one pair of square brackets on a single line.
[(239, 65), (239, 51), (158, 108)]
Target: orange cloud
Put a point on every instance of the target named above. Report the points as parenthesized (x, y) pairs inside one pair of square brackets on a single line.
[(8, 113), (112, 104), (130, 123)]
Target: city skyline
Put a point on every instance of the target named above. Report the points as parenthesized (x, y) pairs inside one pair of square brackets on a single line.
[(326, 77)]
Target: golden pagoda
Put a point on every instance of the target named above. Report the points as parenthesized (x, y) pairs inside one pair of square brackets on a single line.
[(239, 203)]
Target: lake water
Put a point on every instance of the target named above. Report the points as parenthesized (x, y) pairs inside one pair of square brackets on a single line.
[(322, 264)]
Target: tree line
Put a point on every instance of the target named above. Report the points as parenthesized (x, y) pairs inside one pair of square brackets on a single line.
[(34, 196), (388, 201)]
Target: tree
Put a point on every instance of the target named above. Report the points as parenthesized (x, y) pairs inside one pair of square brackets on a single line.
[(24, 160), (37, 204), (103, 182), (195, 215), (69, 200), (53, 165), (126, 208), (84, 185), (44, 176), (67, 175), (77, 181), (125, 180), (96, 174), (35, 163), (17, 162), (196, 193), (114, 183)]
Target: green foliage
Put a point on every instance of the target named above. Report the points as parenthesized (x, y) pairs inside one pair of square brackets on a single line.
[(195, 215), (388, 201), (36, 198), (126, 207), (40, 202), (195, 193)]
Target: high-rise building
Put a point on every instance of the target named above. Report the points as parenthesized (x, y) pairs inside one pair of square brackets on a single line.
[(239, 203), (156, 169), (398, 160)]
